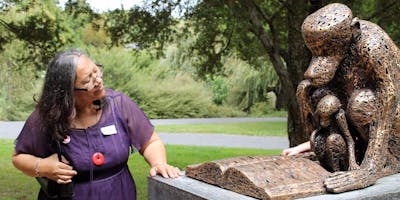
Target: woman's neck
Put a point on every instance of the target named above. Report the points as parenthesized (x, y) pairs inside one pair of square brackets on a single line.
[(86, 115)]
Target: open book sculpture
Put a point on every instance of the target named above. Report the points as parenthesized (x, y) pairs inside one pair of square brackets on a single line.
[(264, 177)]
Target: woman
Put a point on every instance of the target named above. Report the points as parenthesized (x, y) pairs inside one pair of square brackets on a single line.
[(95, 129)]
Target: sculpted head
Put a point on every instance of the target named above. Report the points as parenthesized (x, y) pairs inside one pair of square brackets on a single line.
[(326, 108), (327, 33)]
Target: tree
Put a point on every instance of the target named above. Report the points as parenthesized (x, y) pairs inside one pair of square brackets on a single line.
[(38, 25), (253, 29), (30, 33), (141, 27)]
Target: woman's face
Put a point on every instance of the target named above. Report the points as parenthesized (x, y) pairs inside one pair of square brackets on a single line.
[(89, 79)]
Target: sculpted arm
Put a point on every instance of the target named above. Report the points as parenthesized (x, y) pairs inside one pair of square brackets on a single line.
[(342, 122), (302, 96)]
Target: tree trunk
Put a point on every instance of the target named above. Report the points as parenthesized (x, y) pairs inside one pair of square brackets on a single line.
[(250, 95), (281, 98), (296, 62), (297, 59)]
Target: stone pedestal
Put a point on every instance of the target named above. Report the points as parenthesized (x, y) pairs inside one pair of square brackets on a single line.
[(184, 188)]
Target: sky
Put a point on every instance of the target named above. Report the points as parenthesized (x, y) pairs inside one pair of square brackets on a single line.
[(105, 5)]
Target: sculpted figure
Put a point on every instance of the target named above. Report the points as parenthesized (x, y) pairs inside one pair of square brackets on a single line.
[(333, 136), (357, 62)]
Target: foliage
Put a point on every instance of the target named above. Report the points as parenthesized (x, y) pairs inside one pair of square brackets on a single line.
[(179, 97), (249, 86), (219, 88), (177, 55), (215, 46), (253, 30), (36, 23), (18, 84), (222, 28), (80, 10), (158, 90), (144, 27), (382, 12), (237, 81), (94, 35)]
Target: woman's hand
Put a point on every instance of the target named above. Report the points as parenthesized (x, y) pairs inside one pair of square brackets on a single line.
[(154, 154), (50, 167), (167, 171), (290, 151), (304, 147)]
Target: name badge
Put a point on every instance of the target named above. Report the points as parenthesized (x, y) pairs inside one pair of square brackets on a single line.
[(109, 130)]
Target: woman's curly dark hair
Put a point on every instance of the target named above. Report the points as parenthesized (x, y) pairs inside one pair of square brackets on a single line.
[(56, 104)]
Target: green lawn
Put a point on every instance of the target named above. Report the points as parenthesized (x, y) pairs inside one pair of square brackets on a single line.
[(15, 185), (242, 128)]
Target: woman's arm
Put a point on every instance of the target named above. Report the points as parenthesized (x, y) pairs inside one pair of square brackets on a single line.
[(48, 167), (154, 154), (304, 147)]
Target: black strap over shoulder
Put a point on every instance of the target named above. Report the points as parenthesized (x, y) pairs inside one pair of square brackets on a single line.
[(52, 189)]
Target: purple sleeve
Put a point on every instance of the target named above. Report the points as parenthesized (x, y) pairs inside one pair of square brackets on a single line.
[(31, 140), (139, 126)]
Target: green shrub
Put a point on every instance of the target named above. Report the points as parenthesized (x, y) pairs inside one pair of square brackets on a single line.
[(219, 87), (160, 88), (225, 111), (176, 97), (249, 86), (19, 83), (160, 91)]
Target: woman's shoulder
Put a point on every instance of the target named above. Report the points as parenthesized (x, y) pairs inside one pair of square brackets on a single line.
[(117, 96), (34, 117), (113, 93)]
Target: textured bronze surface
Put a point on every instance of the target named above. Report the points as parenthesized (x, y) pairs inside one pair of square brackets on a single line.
[(264, 177), (349, 98)]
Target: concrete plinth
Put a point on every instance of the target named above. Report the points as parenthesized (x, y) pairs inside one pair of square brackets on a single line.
[(184, 188)]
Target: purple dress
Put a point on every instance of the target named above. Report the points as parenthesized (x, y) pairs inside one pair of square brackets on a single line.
[(122, 127)]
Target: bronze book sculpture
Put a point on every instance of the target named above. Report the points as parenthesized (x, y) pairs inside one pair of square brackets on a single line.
[(264, 177)]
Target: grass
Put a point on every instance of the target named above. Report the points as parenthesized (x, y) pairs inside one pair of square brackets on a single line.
[(15, 185), (241, 128)]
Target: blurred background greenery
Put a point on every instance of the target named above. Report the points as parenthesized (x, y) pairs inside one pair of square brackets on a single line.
[(164, 82), (174, 58)]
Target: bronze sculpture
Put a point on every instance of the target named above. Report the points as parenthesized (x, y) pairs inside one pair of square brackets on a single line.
[(350, 105), (333, 136), (357, 62)]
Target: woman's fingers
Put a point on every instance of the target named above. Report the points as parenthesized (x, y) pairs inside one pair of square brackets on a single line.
[(153, 171), (62, 181), (64, 160), (61, 172), (167, 171)]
